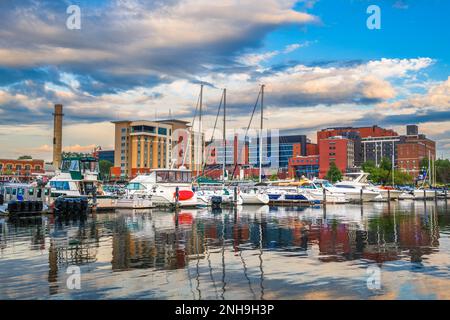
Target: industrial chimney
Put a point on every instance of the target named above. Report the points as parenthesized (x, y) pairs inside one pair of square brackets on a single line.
[(57, 135)]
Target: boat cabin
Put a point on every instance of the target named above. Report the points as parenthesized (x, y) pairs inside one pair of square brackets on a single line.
[(24, 192), (81, 168), (161, 176)]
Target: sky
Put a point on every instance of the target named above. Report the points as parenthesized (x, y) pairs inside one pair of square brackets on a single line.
[(133, 59)]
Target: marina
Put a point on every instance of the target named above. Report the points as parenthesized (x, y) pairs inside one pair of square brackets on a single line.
[(249, 252), (237, 153)]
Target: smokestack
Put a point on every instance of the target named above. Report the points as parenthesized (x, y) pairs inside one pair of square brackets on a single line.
[(57, 135)]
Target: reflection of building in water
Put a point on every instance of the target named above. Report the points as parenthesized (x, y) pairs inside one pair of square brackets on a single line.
[(386, 236), (164, 248), (72, 243)]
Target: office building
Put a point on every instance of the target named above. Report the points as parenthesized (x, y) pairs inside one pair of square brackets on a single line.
[(141, 146), (338, 150)]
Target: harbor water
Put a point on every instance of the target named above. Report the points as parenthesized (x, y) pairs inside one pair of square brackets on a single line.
[(399, 250)]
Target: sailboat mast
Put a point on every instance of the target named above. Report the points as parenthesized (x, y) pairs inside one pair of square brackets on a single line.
[(260, 133), (393, 163), (201, 129), (224, 133), (429, 167)]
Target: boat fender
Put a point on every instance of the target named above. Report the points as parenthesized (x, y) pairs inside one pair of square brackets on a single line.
[(184, 195)]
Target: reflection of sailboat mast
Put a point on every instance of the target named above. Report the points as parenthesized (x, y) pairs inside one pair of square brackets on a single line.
[(242, 258), (208, 255), (223, 258), (260, 260), (195, 233), (186, 261)]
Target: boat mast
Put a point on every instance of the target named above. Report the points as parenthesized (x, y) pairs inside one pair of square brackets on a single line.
[(393, 164), (260, 133), (429, 168), (224, 133), (201, 129)]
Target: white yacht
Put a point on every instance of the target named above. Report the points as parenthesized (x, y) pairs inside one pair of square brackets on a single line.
[(162, 186), (352, 185), (423, 194), (290, 194), (316, 190), (254, 197), (227, 197), (78, 177)]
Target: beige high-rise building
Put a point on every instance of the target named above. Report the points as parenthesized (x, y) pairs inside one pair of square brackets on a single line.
[(141, 146)]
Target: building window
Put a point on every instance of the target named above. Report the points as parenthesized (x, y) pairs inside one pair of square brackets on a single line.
[(37, 168), (28, 167)]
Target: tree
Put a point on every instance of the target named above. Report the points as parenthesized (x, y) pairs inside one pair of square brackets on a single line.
[(105, 168), (274, 177), (25, 157), (386, 164), (334, 174), (443, 171), (402, 178), (368, 166)]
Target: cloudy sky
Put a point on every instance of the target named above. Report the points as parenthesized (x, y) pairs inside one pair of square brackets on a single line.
[(135, 59)]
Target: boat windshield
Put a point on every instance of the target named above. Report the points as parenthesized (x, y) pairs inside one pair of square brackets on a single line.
[(344, 186), (325, 184), (173, 176), (89, 166), (135, 186)]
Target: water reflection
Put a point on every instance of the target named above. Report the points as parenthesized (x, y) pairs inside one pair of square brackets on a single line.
[(250, 253)]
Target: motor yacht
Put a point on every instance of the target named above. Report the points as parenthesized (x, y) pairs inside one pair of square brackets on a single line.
[(78, 178), (163, 186), (356, 188), (316, 190)]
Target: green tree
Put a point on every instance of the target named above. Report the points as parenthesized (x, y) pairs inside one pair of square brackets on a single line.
[(443, 171), (333, 174), (105, 168), (26, 157), (368, 166), (274, 177), (386, 164), (402, 178)]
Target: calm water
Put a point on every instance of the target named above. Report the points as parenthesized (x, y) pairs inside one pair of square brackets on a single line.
[(251, 253)]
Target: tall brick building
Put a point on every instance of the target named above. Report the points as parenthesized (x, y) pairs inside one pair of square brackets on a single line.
[(339, 150), (411, 150), (357, 135)]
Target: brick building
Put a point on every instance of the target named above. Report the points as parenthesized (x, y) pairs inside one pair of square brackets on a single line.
[(357, 135), (22, 170), (411, 150), (307, 166), (339, 150)]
